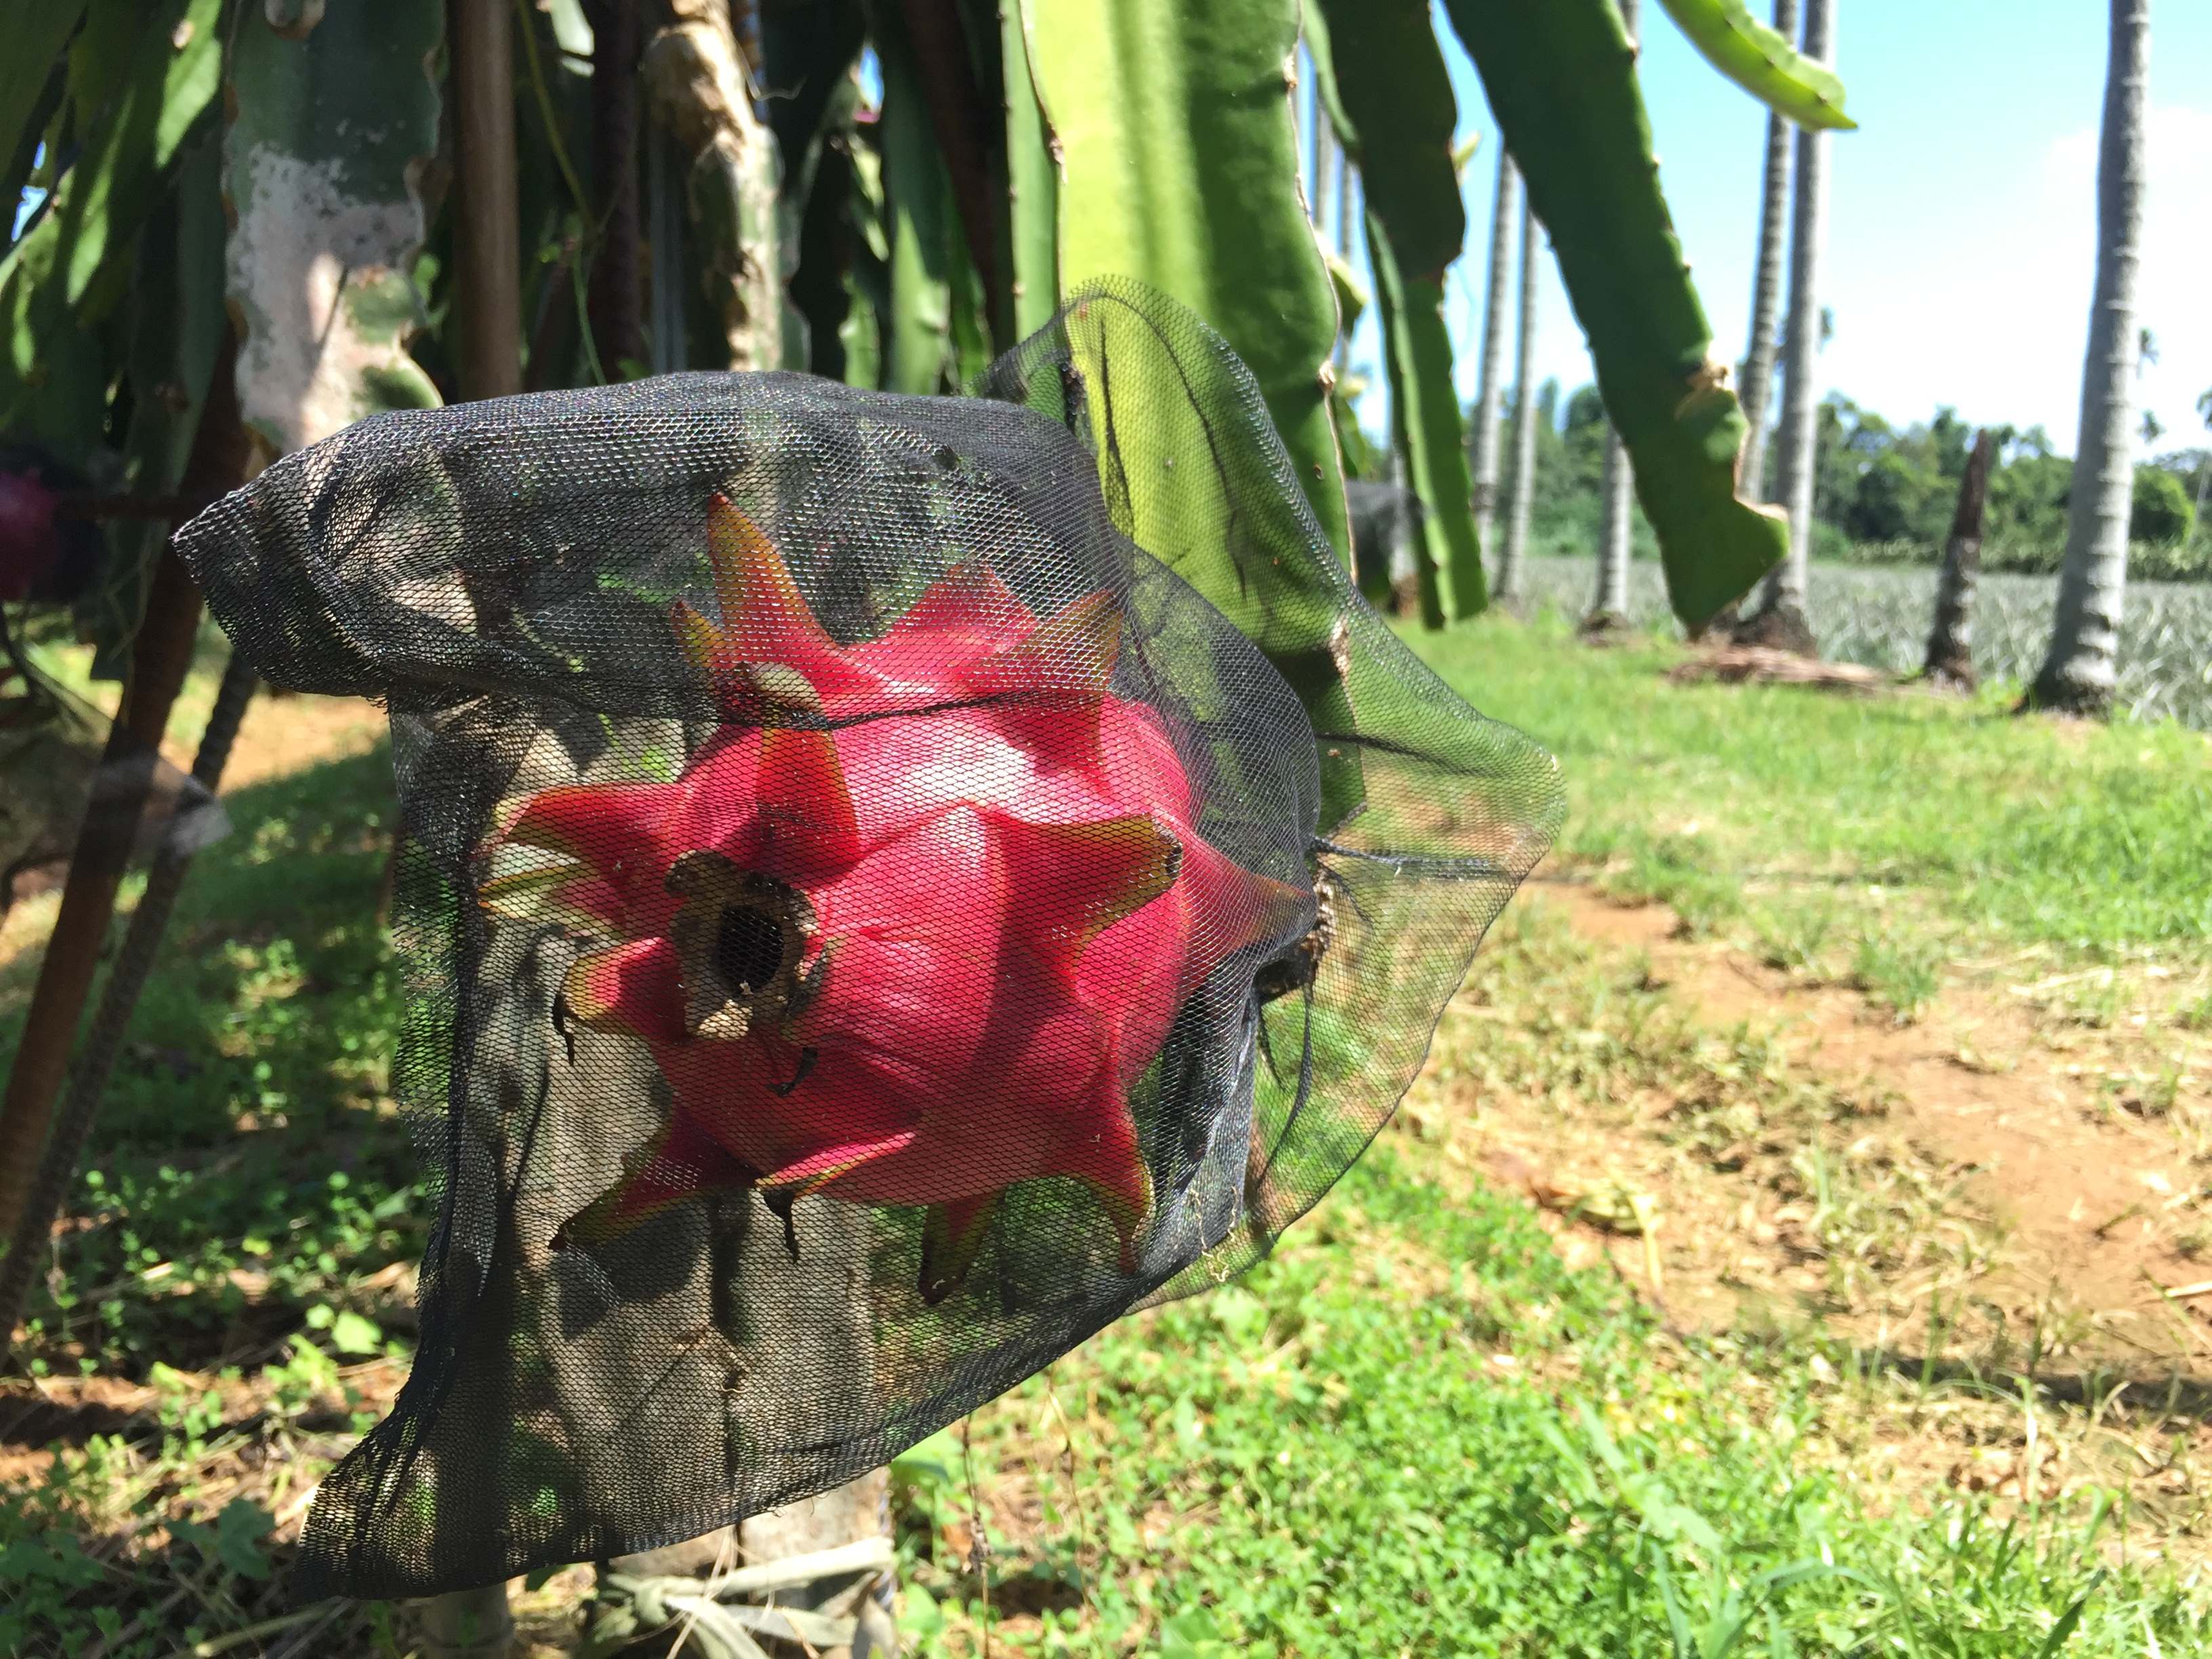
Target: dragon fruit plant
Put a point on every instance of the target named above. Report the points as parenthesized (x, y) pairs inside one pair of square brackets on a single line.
[(909, 927)]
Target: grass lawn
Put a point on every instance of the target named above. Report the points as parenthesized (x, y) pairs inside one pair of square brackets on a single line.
[(1767, 805), (1438, 1422)]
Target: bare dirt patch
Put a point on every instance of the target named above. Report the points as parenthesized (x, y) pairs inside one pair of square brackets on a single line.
[(1959, 1230), (2091, 1201), (1747, 664), (2079, 1213)]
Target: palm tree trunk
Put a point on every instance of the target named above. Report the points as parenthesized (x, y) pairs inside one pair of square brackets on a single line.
[(2204, 466), (2078, 674), (1780, 621), (1507, 588), (1951, 641), (1489, 399), (2204, 470), (1766, 288), (1609, 607), (1608, 611)]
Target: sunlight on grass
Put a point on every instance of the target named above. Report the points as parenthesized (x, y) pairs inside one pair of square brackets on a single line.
[(2093, 840), (1486, 1454), (1425, 1426)]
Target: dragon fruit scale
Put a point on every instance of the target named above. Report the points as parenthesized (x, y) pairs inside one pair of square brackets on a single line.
[(908, 929)]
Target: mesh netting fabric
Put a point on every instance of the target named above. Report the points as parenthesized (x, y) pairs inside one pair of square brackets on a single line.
[(887, 885)]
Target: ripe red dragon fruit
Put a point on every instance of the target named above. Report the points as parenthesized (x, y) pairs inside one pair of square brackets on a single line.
[(910, 926), (26, 533)]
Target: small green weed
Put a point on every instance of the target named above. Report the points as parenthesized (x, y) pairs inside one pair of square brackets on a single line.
[(1904, 974), (1797, 937)]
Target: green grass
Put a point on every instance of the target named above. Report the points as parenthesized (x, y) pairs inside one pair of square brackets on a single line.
[(1912, 814), (247, 1163), (1417, 1430), (248, 1175)]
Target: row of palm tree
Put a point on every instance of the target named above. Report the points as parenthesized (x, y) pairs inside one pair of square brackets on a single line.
[(1609, 605), (2078, 671)]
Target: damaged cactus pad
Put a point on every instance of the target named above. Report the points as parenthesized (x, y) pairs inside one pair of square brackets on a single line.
[(885, 885)]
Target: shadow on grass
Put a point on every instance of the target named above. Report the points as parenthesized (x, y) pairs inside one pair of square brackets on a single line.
[(247, 1160), (2174, 1392), (2177, 1393)]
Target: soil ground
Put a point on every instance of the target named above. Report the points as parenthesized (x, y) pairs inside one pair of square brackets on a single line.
[(2088, 1218)]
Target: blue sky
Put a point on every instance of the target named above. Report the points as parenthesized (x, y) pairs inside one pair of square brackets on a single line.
[(1961, 243)]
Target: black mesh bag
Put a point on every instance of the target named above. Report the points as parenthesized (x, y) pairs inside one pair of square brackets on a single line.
[(887, 885)]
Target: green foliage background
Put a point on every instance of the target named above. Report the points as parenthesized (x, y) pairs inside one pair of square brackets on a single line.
[(1883, 494)]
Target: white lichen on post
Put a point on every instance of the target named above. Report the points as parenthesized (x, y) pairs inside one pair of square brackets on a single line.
[(332, 128)]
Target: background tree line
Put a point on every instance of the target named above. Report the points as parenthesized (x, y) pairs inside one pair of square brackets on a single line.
[(1882, 494), (1830, 473)]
